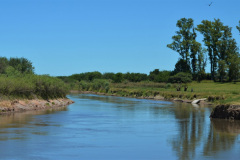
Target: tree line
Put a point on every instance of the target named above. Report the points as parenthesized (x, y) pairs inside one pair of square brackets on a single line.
[(18, 80), (155, 76), (15, 66), (220, 49)]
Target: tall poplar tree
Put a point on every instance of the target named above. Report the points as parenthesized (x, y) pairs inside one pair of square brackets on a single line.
[(212, 33), (185, 44)]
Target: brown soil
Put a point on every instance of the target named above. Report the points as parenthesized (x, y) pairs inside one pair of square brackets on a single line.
[(230, 112), (30, 105)]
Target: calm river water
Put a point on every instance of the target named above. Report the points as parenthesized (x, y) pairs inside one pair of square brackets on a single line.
[(112, 128)]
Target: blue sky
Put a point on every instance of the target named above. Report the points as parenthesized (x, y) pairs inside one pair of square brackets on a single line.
[(63, 37)]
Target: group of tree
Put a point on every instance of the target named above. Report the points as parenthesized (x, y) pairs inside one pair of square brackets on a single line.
[(15, 66), (115, 77), (17, 80), (221, 48), (154, 76)]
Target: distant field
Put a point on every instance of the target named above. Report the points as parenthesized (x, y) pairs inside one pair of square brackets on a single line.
[(218, 93)]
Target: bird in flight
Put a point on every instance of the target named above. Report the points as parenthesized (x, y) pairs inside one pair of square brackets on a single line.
[(210, 4)]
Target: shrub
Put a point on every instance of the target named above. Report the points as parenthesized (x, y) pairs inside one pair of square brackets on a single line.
[(181, 77), (27, 86)]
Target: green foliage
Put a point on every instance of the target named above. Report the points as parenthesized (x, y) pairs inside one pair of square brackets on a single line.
[(234, 67), (222, 69), (97, 85), (118, 78), (17, 79), (100, 84), (238, 27), (108, 75), (29, 86), (181, 77), (220, 45), (12, 72), (3, 64), (49, 87), (182, 66), (182, 41), (22, 65), (159, 76), (186, 45), (135, 77), (84, 85), (88, 76)]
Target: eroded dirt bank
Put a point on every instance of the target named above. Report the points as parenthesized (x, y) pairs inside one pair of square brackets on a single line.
[(30, 105), (230, 112)]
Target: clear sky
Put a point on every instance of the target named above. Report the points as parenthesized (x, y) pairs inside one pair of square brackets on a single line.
[(63, 37)]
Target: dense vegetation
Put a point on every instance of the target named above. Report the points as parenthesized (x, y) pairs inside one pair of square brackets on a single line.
[(221, 48), (17, 80), (221, 51)]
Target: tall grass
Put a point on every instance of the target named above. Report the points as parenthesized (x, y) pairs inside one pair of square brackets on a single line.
[(217, 93), (31, 86), (98, 85)]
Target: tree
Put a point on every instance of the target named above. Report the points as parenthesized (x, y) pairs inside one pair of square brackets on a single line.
[(201, 64), (234, 67), (118, 78), (182, 66), (3, 64), (87, 76), (93, 75), (182, 41), (22, 65), (238, 27), (159, 76), (222, 69), (12, 72), (212, 33), (108, 75), (196, 49), (186, 45), (181, 77)]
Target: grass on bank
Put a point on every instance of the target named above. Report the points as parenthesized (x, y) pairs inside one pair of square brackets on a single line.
[(32, 86), (217, 93)]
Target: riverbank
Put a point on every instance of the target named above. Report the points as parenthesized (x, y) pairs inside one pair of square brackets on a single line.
[(12, 106), (152, 97), (229, 112)]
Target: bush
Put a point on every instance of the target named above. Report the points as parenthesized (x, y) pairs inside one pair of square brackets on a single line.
[(181, 77), (29, 86), (159, 76), (118, 78)]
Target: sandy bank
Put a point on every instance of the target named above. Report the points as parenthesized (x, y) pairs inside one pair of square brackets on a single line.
[(8, 106)]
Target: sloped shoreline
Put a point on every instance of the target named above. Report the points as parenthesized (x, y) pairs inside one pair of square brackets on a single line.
[(13, 106)]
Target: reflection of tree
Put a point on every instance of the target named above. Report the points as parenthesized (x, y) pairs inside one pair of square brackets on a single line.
[(193, 131), (191, 126), (222, 136)]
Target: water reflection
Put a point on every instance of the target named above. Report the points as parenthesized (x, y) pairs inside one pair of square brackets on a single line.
[(195, 130), (222, 136), (196, 133), (113, 126), (191, 125), (16, 126)]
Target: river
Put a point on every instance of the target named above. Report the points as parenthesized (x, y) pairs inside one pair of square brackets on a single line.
[(112, 128)]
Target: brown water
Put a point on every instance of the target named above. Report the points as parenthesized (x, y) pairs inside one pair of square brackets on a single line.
[(105, 127)]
